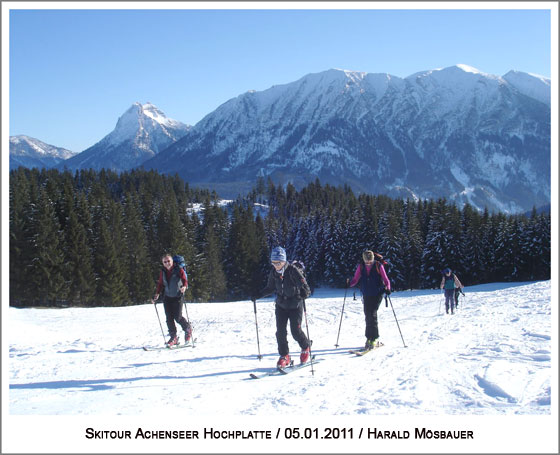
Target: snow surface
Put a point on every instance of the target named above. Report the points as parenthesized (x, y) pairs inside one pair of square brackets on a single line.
[(492, 358)]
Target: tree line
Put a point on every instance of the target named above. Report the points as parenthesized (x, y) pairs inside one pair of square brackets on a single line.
[(95, 238)]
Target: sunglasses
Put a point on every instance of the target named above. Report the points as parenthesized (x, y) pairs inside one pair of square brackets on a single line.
[(167, 262)]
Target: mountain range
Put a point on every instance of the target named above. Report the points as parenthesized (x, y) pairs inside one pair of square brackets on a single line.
[(30, 152), (454, 132)]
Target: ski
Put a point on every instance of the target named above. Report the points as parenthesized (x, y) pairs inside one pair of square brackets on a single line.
[(362, 352), (190, 344), (283, 371)]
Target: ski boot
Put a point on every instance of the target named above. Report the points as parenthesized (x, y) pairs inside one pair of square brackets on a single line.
[(304, 356), (188, 335), (283, 361), (371, 344), (173, 341)]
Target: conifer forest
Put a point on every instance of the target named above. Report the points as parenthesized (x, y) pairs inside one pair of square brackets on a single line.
[(96, 238)]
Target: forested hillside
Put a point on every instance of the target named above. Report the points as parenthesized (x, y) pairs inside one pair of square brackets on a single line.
[(96, 238)]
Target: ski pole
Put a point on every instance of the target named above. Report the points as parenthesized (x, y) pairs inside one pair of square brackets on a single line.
[(155, 306), (308, 339), (341, 315), (186, 311), (257, 326), (395, 318), (188, 320)]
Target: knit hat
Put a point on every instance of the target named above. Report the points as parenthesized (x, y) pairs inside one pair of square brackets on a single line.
[(278, 254)]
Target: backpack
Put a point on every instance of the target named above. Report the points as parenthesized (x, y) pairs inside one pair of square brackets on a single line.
[(301, 267), (299, 264), (180, 261)]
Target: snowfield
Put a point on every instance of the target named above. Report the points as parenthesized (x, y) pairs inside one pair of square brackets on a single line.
[(493, 358)]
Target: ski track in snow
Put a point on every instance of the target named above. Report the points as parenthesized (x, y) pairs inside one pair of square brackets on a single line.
[(492, 357)]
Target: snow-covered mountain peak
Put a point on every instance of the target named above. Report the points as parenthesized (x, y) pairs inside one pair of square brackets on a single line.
[(29, 152), (468, 69), (141, 118), (532, 85), (29, 145), (157, 115), (451, 73), (141, 133)]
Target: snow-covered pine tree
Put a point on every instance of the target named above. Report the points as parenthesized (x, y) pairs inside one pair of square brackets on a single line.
[(46, 271), (391, 246), (412, 246), (139, 272)]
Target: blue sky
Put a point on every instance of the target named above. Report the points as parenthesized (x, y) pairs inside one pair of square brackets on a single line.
[(74, 72)]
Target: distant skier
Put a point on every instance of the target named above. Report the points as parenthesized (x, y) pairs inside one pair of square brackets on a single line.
[(291, 288), (173, 282), (373, 284), (452, 286)]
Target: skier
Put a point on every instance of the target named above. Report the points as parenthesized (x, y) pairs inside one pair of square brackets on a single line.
[(450, 283), (173, 281), (291, 288), (373, 284)]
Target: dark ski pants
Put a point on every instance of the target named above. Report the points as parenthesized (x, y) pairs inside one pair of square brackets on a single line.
[(371, 305), (449, 299), (457, 290), (173, 310), (295, 317)]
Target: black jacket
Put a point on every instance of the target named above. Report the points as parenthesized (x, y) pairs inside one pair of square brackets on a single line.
[(290, 287)]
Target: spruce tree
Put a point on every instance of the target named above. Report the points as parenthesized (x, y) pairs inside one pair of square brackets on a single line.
[(412, 246), (46, 274), (109, 261), (392, 248), (211, 285), (140, 280), (79, 273), (20, 200), (434, 257)]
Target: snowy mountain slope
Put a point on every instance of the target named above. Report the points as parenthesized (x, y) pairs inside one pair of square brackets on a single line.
[(141, 133), (528, 85), (492, 358), (30, 152), (490, 369), (381, 133)]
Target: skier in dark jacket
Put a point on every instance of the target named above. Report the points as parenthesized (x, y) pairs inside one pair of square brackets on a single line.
[(373, 284), (173, 282), (291, 288), (452, 285)]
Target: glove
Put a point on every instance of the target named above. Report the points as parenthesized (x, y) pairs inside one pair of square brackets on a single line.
[(387, 292), (347, 282)]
